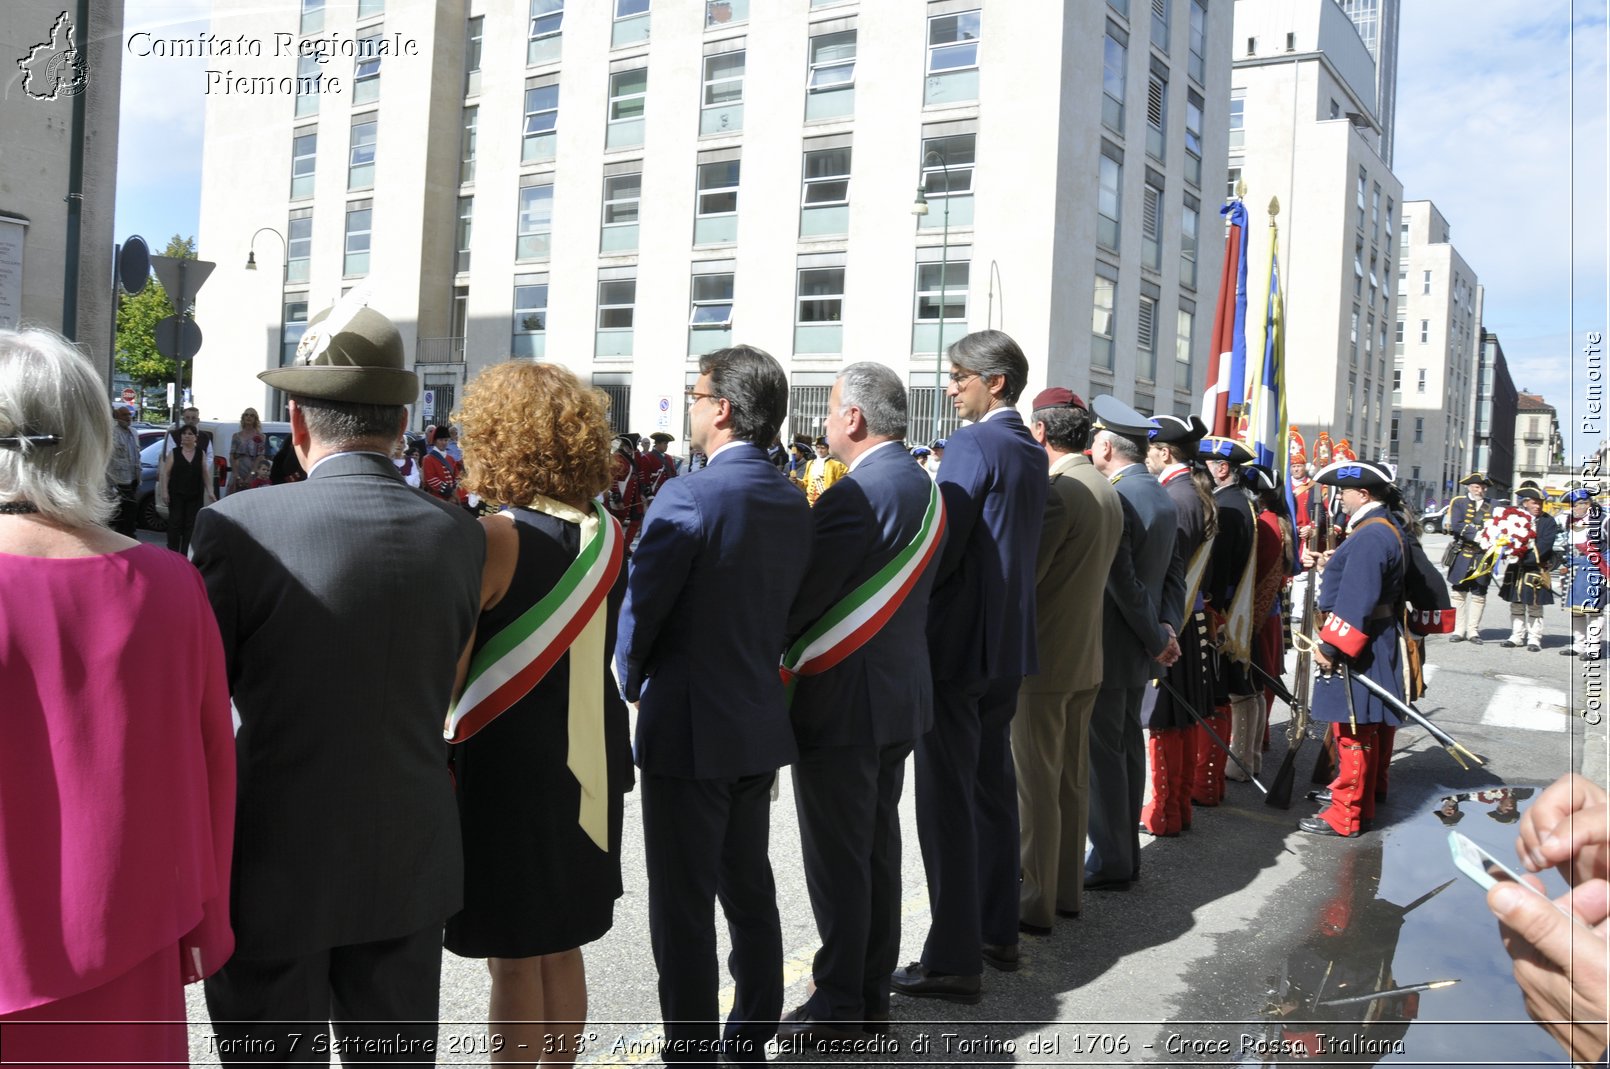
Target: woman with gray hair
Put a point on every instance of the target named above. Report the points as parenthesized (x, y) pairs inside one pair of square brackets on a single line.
[(116, 811)]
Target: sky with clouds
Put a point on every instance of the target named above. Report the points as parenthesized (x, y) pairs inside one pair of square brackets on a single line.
[(1501, 122)]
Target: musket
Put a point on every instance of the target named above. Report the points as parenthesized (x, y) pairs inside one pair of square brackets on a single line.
[(1279, 793), (1179, 699), (1409, 712)]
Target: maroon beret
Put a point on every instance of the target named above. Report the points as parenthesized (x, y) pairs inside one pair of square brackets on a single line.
[(1057, 397)]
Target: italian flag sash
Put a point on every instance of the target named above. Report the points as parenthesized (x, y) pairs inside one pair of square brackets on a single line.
[(860, 614), (514, 660)]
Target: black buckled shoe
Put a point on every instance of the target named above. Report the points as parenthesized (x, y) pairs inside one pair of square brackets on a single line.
[(1319, 826)]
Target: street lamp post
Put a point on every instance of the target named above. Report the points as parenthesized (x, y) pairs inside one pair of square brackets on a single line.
[(278, 398), (919, 209)]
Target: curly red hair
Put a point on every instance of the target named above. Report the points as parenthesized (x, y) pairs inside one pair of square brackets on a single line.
[(531, 428)]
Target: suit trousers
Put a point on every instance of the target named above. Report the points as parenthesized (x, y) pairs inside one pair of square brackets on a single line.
[(1051, 749), (381, 1000), (848, 799), (967, 822), (704, 840), (1117, 784)]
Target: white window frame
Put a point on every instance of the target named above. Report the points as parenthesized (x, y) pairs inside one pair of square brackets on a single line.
[(961, 174), (463, 232), (808, 182), (525, 310), (959, 44), (1238, 119), (710, 83), (699, 304), (546, 19), (1184, 336), (1425, 332), (355, 150), (626, 9), (951, 289), (701, 191), (800, 297), (366, 68), (1109, 43), (1110, 335), (815, 67), (535, 113), (469, 136), (1115, 193), (298, 244), (605, 307), (612, 198), (525, 215), (617, 98), (348, 234), (304, 164)]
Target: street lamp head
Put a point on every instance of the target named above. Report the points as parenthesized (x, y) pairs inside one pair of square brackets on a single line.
[(921, 205), (251, 261)]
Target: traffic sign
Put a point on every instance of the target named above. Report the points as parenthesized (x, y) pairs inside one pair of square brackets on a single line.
[(181, 278), (428, 405), (170, 332), (134, 264), (129, 396)]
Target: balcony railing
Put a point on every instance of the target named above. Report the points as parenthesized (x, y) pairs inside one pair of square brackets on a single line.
[(440, 351)]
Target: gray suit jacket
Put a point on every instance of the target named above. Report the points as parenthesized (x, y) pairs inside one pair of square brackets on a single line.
[(344, 603), (1084, 520), (1146, 586)]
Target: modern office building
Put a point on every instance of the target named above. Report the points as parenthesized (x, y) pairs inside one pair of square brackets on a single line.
[(1539, 446), (39, 137), (1377, 24), (1304, 130), (619, 185), (1493, 447), (1435, 356)]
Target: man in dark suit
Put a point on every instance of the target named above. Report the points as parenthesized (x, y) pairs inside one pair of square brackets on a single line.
[(981, 645), (701, 630), (347, 857), (856, 722), (1050, 734), (1140, 617)]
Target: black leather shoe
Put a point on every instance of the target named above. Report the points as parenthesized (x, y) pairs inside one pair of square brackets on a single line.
[(1476, 640), (1144, 830), (1534, 648), (1071, 914), (1508, 645), (1033, 929), (1316, 826), (1456, 638), (1003, 957), (1106, 885), (1322, 796), (918, 982), (1568, 652), (800, 1023)]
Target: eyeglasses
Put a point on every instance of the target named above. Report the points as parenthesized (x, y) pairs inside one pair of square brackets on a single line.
[(694, 397), (959, 377)]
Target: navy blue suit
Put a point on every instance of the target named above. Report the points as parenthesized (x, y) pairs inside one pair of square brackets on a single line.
[(856, 724), (701, 632), (981, 644), (1145, 589)]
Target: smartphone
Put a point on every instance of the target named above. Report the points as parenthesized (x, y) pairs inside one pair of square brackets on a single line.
[(1487, 870)]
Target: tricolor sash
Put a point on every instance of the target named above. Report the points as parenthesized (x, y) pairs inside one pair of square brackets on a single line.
[(515, 660), (859, 615)]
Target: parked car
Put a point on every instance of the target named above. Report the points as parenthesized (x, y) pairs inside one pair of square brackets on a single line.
[(1434, 518), (152, 514)]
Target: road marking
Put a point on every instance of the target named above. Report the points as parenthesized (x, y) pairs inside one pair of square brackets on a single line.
[(1529, 706)]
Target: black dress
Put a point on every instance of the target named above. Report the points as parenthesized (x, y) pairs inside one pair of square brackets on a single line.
[(534, 883)]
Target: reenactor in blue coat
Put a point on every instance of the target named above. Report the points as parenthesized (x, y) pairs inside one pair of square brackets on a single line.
[(1466, 517), (1589, 563), (1526, 585)]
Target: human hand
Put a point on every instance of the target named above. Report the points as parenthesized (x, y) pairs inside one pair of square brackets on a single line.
[(1171, 652), (1560, 965), (1325, 663), (1568, 827)]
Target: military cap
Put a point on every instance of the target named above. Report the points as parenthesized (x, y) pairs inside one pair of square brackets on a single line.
[(938, 445), (1214, 447), (1056, 397), (1115, 416), (1358, 474), (920, 451), (1179, 430), (349, 352)]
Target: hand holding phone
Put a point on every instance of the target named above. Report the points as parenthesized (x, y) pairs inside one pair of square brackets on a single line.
[(1486, 870)]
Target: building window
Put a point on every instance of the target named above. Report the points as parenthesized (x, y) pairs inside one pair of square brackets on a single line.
[(947, 181), (1363, 179), (1193, 138), (530, 316), (1232, 179), (1425, 331), (1146, 339), (466, 154), (941, 305), (1156, 116), (1358, 269), (368, 9), (1160, 24), (312, 20), (295, 327), (631, 23), (623, 194), (1398, 335), (1397, 379), (1189, 221), (1419, 429), (1425, 282), (1197, 65), (825, 204), (716, 208), (712, 305), (466, 211), (366, 67), (1375, 207), (1369, 332), (1151, 227), (1101, 325), (307, 81), (544, 33), (617, 299), (724, 12), (819, 311), (361, 155), (953, 57), (541, 118), (628, 96), (299, 245), (360, 221), (1184, 330), (722, 109), (830, 79), (1352, 333), (1113, 59), (534, 225), (474, 35), (1109, 186), (304, 155), (1238, 119)]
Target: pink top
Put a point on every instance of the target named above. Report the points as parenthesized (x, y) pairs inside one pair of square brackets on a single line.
[(117, 773)]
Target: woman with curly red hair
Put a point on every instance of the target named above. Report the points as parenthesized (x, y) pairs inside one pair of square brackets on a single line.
[(541, 782)]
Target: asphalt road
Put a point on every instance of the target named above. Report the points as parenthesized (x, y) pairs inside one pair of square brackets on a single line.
[(1225, 947)]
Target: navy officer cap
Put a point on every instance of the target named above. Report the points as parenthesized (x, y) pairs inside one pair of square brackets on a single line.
[(1213, 447), (1113, 415), (1358, 474)]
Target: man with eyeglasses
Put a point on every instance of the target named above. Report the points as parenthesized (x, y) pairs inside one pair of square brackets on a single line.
[(701, 630), (981, 643)]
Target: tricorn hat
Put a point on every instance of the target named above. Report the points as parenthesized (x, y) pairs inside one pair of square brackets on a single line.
[(1359, 474), (1214, 447), (920, 451), (1258, 477), (349, 352), (1532, 493), (1475, 477), (1581, 493), (1179, 430), (661, 436), (1115, 416)]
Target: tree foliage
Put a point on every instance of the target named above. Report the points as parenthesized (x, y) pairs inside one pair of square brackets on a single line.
[(137, 318)]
